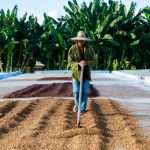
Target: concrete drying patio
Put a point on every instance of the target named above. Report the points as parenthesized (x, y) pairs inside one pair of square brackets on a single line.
[(129, 88)]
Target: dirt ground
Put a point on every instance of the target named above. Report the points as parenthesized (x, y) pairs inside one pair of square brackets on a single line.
[(51, 124)]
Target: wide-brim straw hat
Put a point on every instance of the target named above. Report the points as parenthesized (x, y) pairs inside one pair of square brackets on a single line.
[(80, 37)]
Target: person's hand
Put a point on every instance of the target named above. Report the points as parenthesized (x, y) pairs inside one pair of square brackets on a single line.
[(83, 62)]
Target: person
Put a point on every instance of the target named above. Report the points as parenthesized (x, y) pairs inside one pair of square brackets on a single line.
[(81, 53)]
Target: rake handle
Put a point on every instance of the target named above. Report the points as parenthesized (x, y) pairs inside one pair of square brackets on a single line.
[(80, 96)]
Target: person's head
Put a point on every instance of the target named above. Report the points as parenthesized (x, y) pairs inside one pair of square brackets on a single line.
[(81, 43)]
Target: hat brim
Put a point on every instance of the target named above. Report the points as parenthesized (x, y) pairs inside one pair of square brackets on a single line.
[(76, 39)]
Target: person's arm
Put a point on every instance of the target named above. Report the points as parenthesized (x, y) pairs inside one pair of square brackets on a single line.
[(71, 60)]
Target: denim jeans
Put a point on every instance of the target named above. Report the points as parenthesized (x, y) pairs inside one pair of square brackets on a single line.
[(85, 93)]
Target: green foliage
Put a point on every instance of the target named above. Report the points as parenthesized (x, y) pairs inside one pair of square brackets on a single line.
[(121, 37), (133, 67), (115, 65)]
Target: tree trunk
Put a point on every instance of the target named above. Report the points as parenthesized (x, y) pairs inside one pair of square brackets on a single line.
[(1, 66), (19, 62), (8, 63), (110, 60), (27, 62), (122, 59), (24, 59), (48, 63)]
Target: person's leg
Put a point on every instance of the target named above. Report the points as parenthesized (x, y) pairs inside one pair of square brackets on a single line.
[(76, 88), (85, 94)]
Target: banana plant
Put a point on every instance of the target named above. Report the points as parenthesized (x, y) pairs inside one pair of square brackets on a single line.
[(10, 48), (49, 43), (142, 57), (119, 34), (3, 37), (8, 32)]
